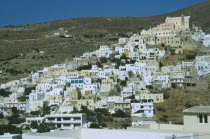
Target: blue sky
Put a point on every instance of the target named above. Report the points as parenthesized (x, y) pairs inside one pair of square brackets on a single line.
[(20, 12)]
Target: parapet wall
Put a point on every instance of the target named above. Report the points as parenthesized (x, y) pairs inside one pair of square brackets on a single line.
[(130, 134)]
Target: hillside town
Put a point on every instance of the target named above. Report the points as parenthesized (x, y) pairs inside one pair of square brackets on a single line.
[(117, 86)]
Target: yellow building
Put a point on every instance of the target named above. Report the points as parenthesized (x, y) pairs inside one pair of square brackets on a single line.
[(147, 97), (84, 73)]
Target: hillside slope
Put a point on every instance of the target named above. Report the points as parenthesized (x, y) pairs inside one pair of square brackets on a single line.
[(28, 40)]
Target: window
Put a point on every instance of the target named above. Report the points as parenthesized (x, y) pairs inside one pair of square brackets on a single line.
[(66, 125), (203, 118), (77, 118), (51, 118), (76, 125), (66, 118)]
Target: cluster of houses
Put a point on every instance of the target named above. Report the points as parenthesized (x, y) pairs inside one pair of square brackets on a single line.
[(128, 69)]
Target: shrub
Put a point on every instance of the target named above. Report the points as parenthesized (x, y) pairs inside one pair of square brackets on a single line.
[(34, 125), (9, 129), (85, 67), (4, 93), (45, 127), (149, 86), (188, 105), (120, 114), (103, 59), (166, 95), (94, 125), (165, 116), (123, 83), (99, 64), (163, 119), (15, 119), (191, 56), (161, 109), (1, 116)]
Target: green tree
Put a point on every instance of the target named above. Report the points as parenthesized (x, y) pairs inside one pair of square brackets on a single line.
[(85, 67), (75, 110), (35, 113), (34, 125), (118, 88), (27, 127), (46, 109), (172, 51), (90, 114), (99, 64), (123, 56), (94, 125), (125, 125), (45, 127), (130, 74), (131, 97), (27, 91), (9, 129), (15, 119), (123, 83), (161, 109), (22, 98), (15, 110), (4, 93), (120, 114), (114, 93), (122, 63), (160, 64), (117, 62), (102, 116), (132, 61), (149, 86), (188, 105), (166, 95), (191, 56), (1, 116), (103, 60), (173, 85)]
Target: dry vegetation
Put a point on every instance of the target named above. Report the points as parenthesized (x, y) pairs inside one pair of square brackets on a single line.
[(176, 100)]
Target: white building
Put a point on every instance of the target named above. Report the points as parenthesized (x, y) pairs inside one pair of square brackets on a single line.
[(80, 82), (163, 80), (67, 121), (38, 120), (136, 68), (90, 89), (123, 40), (142, 109), (152, 53), (126, 92), (11, 136), (202, 65), (104, 51), (65, 109), (106, 72), (206, 40), (126, 48)]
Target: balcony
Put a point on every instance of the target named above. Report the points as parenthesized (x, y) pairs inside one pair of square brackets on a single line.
[(65, 122)]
